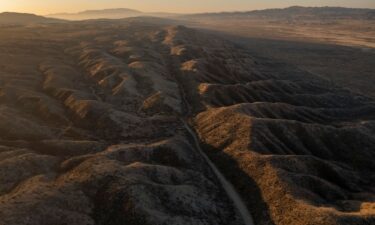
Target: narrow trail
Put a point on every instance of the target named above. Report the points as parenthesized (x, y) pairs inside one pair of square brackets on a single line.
[(227, 186)]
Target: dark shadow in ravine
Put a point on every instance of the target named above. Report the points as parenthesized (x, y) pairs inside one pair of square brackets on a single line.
[(347, 66), (246, 187)]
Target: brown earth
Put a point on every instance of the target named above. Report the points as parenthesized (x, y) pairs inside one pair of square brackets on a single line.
[(340, 50), (91, 124)]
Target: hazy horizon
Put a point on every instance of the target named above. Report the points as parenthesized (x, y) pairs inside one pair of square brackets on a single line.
[(45, 7)]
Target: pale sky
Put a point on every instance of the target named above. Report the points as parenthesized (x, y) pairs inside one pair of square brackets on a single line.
[(179, 6)]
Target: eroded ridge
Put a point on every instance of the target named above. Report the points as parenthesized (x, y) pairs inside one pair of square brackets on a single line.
[(92, 134), (299, 149)]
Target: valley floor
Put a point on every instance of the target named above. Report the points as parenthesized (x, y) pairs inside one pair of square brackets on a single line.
[(341, 51)]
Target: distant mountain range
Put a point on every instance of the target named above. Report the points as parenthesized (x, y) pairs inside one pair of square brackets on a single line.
[(285, 13), (108, 14), (295, 12), (25, 18)]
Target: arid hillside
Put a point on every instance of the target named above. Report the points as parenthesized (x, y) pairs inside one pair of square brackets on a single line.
[(336, 44), (10, 18), (117, 13), (111, 122)]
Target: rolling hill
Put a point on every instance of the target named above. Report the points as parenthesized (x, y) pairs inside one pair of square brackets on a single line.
[(117, 13), (294, 12), (24, 18), (130, 122), (143, 121)]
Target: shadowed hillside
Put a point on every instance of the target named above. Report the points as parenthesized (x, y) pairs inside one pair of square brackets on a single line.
[(296, 12), (336, 44), (24, 18), (109, 122)]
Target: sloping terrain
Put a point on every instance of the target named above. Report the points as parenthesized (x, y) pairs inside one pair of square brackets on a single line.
[(90, 132), (93, 124), (299, 149), (98, 14), (295, 13), (117, 13), (24, 18), (334, 43)]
